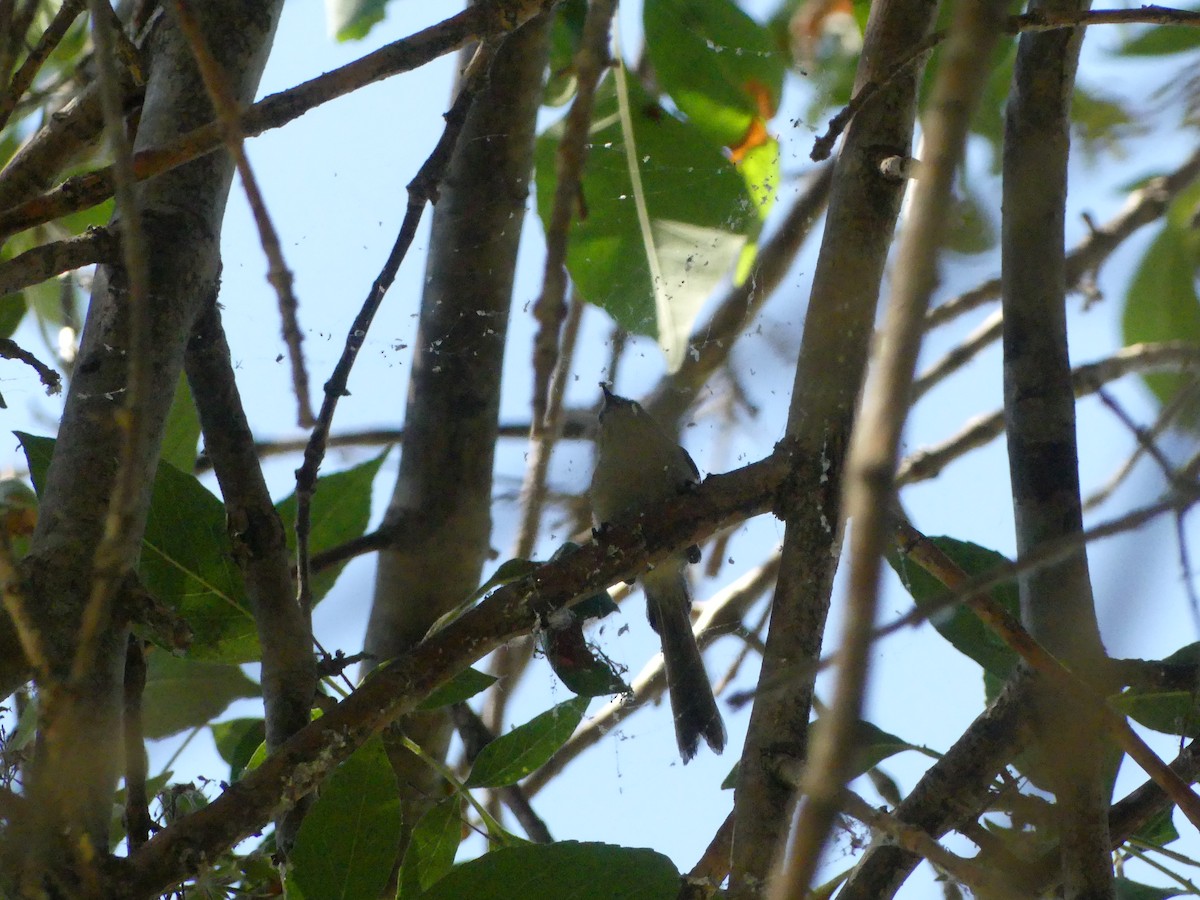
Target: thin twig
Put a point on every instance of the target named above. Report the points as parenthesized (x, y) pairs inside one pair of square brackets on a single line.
[(1168, 355), (10, 349), (278, 275), (591, 59), (1166, 415), (1002, 623), (96, 245), (1144, 440), (24, 76), (421, 190), (982, 881), (574, 428), (544, 432), (477, 22), (1141, 207)]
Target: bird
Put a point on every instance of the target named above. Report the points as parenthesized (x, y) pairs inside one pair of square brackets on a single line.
[(637, 464)]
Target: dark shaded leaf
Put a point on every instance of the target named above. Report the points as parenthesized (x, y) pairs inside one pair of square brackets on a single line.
[(562, 871), (957, 624), (347, 843), (434, 843), (463, 686), (236, 741), (341, 510), (186, 560), (185, 693)]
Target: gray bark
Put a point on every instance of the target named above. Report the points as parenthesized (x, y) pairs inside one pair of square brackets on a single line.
[(443, 494), (182, 212), (862, 217), (1056, 601)]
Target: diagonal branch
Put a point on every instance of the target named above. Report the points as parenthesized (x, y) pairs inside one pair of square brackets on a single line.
[(477, 22), (304, 760), (421, 190)]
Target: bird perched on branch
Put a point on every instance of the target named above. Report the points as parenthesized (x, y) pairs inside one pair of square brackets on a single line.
[(637, 464)]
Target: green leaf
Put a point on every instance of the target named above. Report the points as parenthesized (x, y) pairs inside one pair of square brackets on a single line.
[(236, 741), (1160, 830), (1171, 712), (511, 757), (12, 311), (565, 870), (759, 168), (352, 20), (1132, 890), (434, 842), (720, 66), (1101, 123), (1161, 40), (957, 624), (970, 230), (1162, 304), (185, 561), (582, 668), (341, 510), (463, 686), (184, 693), (565, 34), (182, 432), (697, 206), (347, 843)]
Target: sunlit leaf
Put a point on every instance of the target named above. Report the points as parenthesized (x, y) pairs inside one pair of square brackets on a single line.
[(698, 209), (351, 20), (718, 65)]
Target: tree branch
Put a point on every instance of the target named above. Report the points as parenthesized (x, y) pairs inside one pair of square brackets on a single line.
[(478, 22), (304, 760)]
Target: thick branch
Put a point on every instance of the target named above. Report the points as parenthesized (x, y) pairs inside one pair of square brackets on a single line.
[(289, 674), (860, 223), (871, 466), (1056, 602)]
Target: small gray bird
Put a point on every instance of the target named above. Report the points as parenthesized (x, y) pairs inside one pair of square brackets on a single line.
[(638, 463)]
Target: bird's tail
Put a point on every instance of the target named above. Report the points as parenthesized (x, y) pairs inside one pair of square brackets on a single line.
[(692, 701)]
